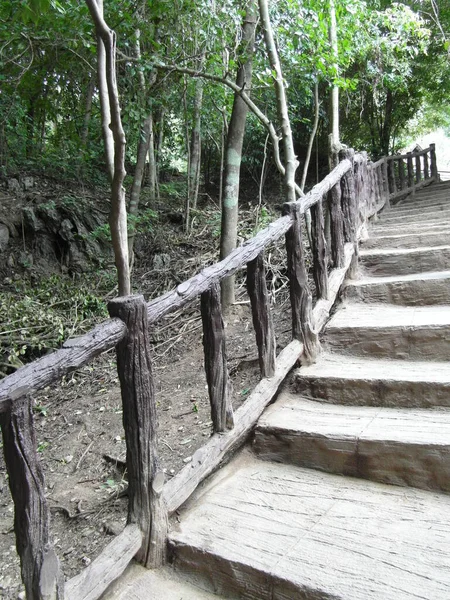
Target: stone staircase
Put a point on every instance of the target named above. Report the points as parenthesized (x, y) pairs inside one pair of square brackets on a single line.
[(342, 494)]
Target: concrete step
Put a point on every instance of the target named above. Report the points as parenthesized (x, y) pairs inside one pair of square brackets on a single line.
[(403, 261), (351, 380), (386, 331), (427, 215), (397, 446), (407, 290), (266, 531), (423, 228), (438, 237), (427, 193), (438, 208), (139, 583)]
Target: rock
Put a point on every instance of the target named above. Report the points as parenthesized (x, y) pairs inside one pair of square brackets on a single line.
[(161, 261), (65, 231), (77, 260), (4, 236), (31, 220), (27, 183), (113, 527), (11, 262), (13, 185)]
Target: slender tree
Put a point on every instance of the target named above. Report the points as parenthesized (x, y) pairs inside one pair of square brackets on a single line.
[(233, 147), (111, 105)]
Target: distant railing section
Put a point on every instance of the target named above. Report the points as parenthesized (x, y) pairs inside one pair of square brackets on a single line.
[(340, 205), (409, 172)]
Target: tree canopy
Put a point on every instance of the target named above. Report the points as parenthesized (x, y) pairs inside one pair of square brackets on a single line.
[(176, 64)]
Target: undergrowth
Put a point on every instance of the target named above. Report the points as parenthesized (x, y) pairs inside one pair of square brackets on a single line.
[(37, 317)]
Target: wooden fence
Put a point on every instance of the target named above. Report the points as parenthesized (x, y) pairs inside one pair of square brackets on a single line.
[(340, 206)]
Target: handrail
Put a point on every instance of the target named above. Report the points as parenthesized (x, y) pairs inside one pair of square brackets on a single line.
[(351, 194)]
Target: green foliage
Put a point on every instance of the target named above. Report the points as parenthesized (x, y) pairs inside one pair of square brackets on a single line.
[(44, 316), (142, 223)]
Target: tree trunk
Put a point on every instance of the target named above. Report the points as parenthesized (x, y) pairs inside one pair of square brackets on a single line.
[(105, 109), (152, 171), (312, 136), (233, 150), (87, 112), (159, 139), (334, 140), (195, 148), (385, 136), (291, 162), (118, 213)]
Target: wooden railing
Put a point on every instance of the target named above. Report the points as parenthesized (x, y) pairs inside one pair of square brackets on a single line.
[(340, 207), (409, 172)]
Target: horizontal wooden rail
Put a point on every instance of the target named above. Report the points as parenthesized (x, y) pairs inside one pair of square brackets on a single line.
[(410, 172), (203, 281), (108, 566), (80, 350), (404, 156), (74, 354)]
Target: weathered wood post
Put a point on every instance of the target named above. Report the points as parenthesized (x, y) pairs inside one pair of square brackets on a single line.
[(391, 176), (40, 568), (410, 170), (301, 301), (426, 170), (401, 173), (216, 369), (362, 175), (433, 163), (262, 316), (319, 250), (336, 226), (145, 478), (349, 206), (386, 182), (418, 168)]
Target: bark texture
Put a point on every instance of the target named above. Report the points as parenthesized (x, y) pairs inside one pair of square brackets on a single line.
[(233, 149)]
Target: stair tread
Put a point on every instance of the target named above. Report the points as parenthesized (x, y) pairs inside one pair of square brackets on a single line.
[(278, 531), (432, 213), (400, 278), (408, 425), (407, 228), (402, 251), (384, 316), (338, 366)]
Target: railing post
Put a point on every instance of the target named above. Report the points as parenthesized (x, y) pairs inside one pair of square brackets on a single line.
[(262, 316), (418, 168), (319, 250), (41, 572), (391, 177), (349, 206), (359, 191), (433, 163), (401, 173), (426, 170), (216, 369), (146, 507), (386, 182), (301, 301), (410, 170), (336, 226)]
